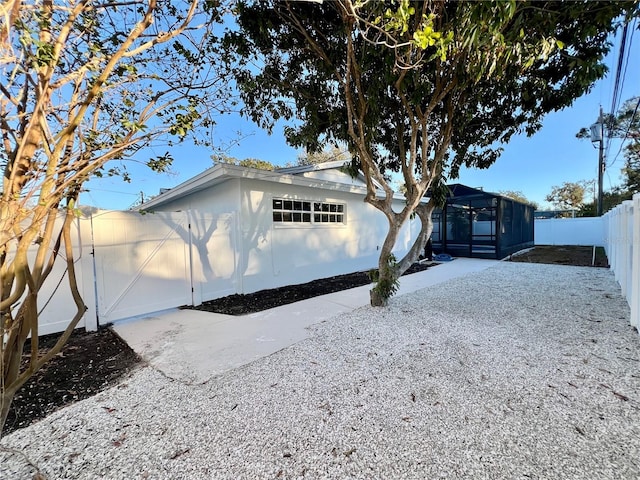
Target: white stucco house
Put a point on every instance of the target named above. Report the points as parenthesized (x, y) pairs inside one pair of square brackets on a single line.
[(227, 230), (285, 227)]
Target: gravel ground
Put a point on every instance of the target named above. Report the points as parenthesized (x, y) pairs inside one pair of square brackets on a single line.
[(519, 371)]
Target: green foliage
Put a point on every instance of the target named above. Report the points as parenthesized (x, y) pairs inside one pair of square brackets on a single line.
[(626, 125), (610, 199), (247, 162), (160, 163), (330, 154), (256, 163), (397, 21), (509, 63), (568, 196), (439, 192)]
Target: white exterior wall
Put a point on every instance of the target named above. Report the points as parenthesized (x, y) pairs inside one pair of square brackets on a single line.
[(223, 198), (268, 255), (570, 231), (285, 254), (214, 255)]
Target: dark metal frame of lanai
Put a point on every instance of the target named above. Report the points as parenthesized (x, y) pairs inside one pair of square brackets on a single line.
[(475, 223)]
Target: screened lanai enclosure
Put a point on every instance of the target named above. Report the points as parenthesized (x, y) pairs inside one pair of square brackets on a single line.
[(475, 223)]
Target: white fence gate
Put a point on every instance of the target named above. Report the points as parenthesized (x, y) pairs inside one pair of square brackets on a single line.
[(130, 264), (151, 262), (141, 263)]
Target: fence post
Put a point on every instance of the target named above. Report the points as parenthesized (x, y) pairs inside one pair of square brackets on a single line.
[(634, 301), (88, 288), (625, 241), (613, 259), (629, 250)]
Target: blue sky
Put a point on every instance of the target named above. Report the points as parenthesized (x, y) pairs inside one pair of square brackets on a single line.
[(529, 165)]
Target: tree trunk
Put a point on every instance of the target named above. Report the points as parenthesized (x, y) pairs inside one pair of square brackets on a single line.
[(390, 271), (6, 397), (377, 300), (423, 211)]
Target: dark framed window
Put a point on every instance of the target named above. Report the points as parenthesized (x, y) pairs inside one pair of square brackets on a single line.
[(302, 211)]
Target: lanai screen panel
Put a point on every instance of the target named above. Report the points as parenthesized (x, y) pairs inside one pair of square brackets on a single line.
[(517, 227), (474, 223)]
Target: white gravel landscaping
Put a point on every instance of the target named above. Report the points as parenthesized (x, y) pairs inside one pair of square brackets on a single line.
[(521, 371)]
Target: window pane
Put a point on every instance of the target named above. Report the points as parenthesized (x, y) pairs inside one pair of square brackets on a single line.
[(286, 216), (288, 205), (297, 206), (306, 217), (316, 217), (340, 208), (332, 218), (339, 218), (325, 207), (333, 207), (297, 216), (277, 204), (306, 206), (277, 216), (325, 218), (317, 207)]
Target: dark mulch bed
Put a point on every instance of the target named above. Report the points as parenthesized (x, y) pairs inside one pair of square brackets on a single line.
[(564, 255), (275, 297), (89, 363)]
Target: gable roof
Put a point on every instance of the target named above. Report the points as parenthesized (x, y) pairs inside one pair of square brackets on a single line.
[(223, 172)]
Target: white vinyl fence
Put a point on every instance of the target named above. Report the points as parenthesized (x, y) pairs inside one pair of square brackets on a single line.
[(618, 231), (622, 230), (570, 231)]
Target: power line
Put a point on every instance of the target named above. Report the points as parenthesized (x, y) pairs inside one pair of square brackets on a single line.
[(626, 64), (618, 81), (624, 138), (615, 105)]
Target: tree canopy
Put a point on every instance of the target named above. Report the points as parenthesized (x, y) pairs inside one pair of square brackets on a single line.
[(245, 162), (417, 87), (568, 196), (328, 154)]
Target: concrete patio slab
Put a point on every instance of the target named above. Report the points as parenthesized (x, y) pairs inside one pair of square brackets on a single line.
[(193, 346)]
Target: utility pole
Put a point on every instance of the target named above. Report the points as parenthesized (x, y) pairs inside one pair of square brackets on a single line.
[(600, 163), (597, 135)]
